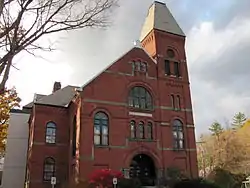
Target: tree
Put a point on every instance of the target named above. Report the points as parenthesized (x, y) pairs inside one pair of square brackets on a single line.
[(238, 120), (23, 23), (222, 178), (8, 101), (216, 129), (226, 149), (206, 154), (229, 152)]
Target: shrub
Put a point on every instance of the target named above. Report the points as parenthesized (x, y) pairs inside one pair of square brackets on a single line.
[(129, 183), (104, 178), (238, 179), (222, 177), (195, 183), (226, 179), (172, 176)]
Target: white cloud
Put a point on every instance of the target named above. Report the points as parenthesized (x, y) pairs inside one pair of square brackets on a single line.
[(206, 42), (36, 75), (204, 46)]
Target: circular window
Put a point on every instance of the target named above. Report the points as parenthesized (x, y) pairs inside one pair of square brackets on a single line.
[(170, 53)]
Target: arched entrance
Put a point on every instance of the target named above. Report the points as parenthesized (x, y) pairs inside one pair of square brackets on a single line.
[(142, 167)]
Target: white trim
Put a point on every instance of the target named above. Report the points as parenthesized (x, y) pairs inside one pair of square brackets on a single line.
[(140, 114)]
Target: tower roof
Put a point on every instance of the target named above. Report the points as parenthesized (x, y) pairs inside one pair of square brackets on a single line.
[(159, 17)]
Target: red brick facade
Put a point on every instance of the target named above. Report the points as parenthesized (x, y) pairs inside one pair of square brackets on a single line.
[(109, 93)]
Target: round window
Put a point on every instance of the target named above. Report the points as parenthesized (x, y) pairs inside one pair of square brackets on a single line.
[(170, 53)]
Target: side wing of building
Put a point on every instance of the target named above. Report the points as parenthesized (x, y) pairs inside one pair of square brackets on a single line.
[(16, 150)]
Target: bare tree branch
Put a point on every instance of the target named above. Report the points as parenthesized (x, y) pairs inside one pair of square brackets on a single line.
[(21, 29)]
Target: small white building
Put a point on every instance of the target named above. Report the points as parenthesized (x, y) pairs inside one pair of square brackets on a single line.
[(14, 168)]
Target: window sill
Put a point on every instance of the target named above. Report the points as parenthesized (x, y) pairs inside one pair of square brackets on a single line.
[(49, 181), (51, 144), (101, 146), (178, 149), (141, 140), (173, 76), (140, 109), (177, 109), (46, 181)]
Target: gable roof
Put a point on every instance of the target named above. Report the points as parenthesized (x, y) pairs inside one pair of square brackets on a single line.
[(64, 96), (159, 17), (137, 45), (60, 98), (29, 105)]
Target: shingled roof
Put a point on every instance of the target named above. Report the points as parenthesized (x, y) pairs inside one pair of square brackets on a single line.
[(159, 17), (60, 98), (38, 96)]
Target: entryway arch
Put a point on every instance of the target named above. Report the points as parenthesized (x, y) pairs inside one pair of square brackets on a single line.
[(143, 168)]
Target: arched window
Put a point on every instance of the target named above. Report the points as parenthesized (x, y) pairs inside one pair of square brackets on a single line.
[(49, 169), (132, 129), (101, 129), (141, 130), (178, 102), (170, 53), (139, 66), (178, 134), (172, 101), (150, 130), (51, 133), (177, 72), (139, 97)]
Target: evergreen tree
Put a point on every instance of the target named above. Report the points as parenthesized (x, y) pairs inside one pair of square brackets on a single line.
[(238, 120), (216, 128)]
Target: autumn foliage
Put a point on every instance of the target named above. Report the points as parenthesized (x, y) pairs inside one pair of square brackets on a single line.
[(103, 178), (226, 147), (8, 100)]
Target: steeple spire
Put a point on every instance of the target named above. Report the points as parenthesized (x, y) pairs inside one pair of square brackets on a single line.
[(159, 17)]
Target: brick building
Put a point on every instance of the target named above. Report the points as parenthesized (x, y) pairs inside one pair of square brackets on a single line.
[(135, 116)]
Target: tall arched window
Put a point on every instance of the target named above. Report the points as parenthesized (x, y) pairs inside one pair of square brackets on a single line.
[(149, 130), (178, 102), (139, 97), (172, 101), (50, 133), (178, 134), (49, 169), (132, 129), (101, 129), (141, 130)]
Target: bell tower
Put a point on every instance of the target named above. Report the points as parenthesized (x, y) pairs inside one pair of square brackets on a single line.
[(164, 40)]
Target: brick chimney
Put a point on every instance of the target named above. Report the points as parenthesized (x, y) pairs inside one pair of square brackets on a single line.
[(57, 86)]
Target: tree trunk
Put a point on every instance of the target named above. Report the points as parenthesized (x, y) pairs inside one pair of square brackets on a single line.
[(1, 6), (5, 75)]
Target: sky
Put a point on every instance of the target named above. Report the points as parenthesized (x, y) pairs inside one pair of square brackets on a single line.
[(217, 47)]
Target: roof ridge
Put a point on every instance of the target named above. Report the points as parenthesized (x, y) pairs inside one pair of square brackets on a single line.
[(105, 68), (109, 65)]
